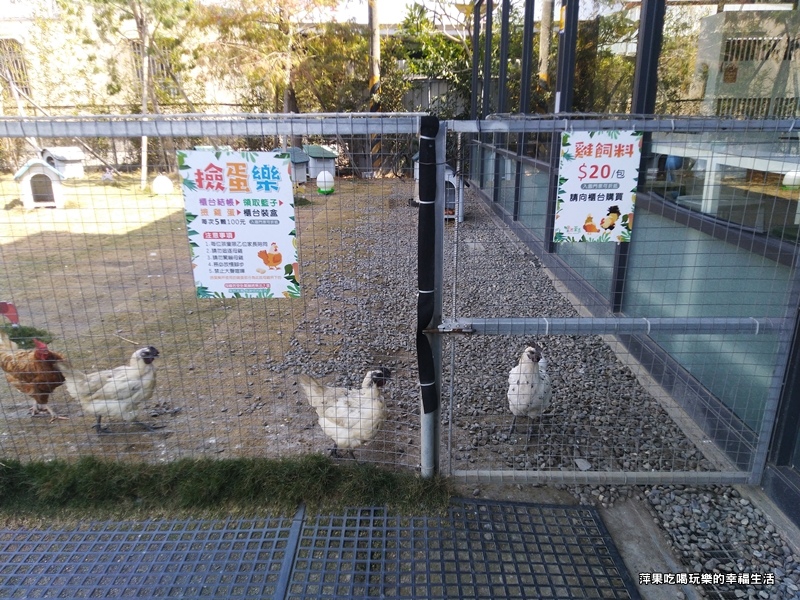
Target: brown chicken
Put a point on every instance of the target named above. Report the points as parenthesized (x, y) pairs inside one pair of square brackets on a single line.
[(32, 372), (610, 220), (272, 258), (589, 226)]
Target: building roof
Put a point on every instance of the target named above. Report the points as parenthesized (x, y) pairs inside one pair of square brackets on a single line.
[(65, 153), (315, 151), (37, 162), (296, 155)]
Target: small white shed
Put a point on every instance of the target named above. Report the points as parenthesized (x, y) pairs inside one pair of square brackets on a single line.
[(320, 159), (453, 191), (40, 185), (299, 160), (67, 159)]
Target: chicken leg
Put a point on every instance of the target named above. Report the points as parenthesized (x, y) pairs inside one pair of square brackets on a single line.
[(37, 410)]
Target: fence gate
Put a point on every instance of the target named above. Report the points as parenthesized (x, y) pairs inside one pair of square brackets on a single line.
[(680, 383)]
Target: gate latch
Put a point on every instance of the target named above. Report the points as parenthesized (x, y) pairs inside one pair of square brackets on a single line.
[(452, 327)]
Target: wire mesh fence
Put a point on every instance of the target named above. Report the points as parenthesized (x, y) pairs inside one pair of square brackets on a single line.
[(687, 392), (714, 241), (111, 270)]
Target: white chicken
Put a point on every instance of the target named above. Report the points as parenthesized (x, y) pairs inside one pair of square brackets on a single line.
[(529, 387), (115, 393), (349, 416)]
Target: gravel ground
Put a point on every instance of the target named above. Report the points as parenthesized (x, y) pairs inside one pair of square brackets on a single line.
[(716, 530), (600, 414), (359, 311), (601, 417)]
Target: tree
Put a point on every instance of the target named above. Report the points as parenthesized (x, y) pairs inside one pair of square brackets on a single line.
[(331, 76), (676, 64), (433, 53), (152, 32), (266, 40), (604, 73)]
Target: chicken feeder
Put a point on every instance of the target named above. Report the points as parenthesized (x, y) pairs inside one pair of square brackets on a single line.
[(325, 183)]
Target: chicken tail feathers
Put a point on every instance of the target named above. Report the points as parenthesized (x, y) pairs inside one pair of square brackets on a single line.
[(6, 343), (312, 389), (75, 381)]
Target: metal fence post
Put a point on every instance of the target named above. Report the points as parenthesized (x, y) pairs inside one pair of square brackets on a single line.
[(429, 307)]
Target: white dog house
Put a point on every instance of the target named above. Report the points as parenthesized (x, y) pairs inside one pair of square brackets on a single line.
[(299, 160), (40, 185), (453, 191), (320, 159), (68, 160)]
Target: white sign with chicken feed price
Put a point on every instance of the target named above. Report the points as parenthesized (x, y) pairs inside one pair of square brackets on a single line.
[(598, 175), (241, 223)]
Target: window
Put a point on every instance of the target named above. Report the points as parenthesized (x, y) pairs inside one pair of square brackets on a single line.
[(751, 49), (159, 72), (13, 67)]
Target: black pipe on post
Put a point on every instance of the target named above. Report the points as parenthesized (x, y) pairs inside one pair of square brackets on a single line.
[(476, 55), (502, 75), (527, 58), (487, 61), (524, 96), (426, 300), (567, 51), (565, 83), (645, 78), (502, 92), (645, 82)]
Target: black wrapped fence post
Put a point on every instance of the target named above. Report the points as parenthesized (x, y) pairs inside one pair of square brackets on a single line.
[(429, 311)]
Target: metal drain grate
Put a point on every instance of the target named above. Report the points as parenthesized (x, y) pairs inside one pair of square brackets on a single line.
[(478, 549), (155, 559)]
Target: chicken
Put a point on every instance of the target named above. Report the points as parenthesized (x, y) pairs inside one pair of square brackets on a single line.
[(114, 393), (32, 372), (610, 220), (589, 226), (529, 387), (349, 416), (272, 258)]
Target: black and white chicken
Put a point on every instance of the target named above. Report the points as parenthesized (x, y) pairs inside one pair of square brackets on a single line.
[(349, 416), (114, 393), (529, 387)]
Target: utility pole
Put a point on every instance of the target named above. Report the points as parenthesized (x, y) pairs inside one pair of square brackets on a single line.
[(374, 81)]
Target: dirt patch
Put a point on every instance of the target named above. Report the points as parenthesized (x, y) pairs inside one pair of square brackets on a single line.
[(114, 268)]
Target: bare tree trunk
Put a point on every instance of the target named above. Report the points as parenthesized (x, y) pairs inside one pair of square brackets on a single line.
[(545, 35), (375, 158), (144, 37)]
